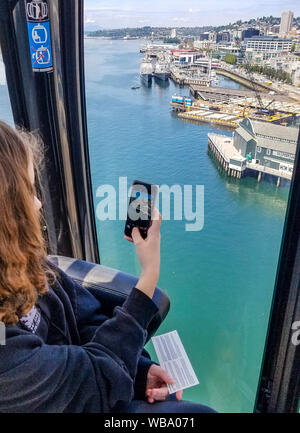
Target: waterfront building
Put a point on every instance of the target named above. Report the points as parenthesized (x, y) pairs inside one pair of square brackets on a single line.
[(258, 147), (286, 23), (206, 61), (270, 146), (267, 46), (185, 56), (229, 49)]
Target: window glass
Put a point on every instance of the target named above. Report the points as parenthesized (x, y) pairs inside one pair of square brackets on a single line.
[(220, 279)]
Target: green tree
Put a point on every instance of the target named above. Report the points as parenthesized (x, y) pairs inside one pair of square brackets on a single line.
[(230, 58)]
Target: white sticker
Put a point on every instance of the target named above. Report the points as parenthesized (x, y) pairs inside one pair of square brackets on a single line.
[(173, 358)]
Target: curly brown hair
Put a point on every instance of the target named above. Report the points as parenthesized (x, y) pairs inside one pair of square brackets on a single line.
[(24, 273)]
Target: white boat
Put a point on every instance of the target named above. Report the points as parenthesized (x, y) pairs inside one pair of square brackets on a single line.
[(161, 71), (146, 70)]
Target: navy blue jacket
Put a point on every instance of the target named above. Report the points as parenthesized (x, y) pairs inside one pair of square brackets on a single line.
[(77, 359)]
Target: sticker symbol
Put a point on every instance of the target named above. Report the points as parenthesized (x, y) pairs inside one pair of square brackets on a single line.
[(39, 34), (41, 56), (37, 10)]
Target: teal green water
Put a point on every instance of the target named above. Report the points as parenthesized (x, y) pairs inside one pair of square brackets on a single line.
[(220, 280)]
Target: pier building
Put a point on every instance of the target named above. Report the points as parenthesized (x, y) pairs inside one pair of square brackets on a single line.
[(262, 147)]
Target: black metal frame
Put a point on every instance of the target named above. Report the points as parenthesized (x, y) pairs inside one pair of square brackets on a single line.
[(54, 104), (279, 387)]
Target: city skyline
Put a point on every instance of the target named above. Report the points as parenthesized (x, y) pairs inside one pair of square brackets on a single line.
[(173, 13)]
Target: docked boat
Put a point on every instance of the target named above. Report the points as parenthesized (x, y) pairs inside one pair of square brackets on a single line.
[(161, 71), (146, 70)]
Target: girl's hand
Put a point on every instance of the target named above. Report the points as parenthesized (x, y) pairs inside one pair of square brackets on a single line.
[(148, 252), (156, 386)]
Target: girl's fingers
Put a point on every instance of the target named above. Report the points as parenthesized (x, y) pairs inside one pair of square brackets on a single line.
[(179, 394), (164, 376), (136, 235), (156, 222), (128, 238), (158, 393)]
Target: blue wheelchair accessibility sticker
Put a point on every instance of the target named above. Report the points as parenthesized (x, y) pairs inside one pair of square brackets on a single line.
[(40, 45)]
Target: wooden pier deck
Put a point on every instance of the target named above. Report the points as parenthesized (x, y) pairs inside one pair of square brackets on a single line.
[(229, 159), (226, 95), (220, 94)]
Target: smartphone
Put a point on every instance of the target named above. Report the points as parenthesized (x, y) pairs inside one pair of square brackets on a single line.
[(141, 205)]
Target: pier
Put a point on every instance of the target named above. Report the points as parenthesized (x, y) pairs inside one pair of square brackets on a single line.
[(227, 106), (235, 165), (227, 156), (219, 94)]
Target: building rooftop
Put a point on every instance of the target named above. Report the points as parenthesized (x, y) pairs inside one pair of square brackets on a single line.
[(269, 135), (289, 133), (267, 38)]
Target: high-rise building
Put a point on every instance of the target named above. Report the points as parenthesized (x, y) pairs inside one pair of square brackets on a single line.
[(286, 22)]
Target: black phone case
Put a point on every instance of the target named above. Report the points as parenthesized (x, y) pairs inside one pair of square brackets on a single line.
[(129, 225)]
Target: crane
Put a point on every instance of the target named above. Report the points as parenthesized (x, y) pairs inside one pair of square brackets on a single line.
[(261, 108)]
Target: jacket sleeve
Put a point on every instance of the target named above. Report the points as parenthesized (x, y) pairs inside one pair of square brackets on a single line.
[(93, 377), (140, 383), (89, 315)]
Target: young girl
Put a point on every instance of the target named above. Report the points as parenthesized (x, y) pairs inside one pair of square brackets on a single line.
[(61, 353)]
